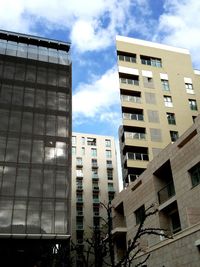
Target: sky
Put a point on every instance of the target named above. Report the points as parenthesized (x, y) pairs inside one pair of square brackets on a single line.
[(91, 26)]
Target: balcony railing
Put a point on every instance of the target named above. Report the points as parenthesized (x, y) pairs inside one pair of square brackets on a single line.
[(94, 165), (140, 136), (127, 58), (129, 116), (79, 188), (96, 201), (111, 189), (166, 192), (95, 188), (79, 213), (152, 62), (129, 98), (96, 214), (79, 200), (137, 156), (129, 81), (79, 227), (95, 176), (79, 175)]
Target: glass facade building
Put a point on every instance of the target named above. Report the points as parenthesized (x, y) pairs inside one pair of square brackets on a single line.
[(35, 137)]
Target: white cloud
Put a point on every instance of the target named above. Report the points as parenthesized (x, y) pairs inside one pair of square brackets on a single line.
[(92, 24), (97, 98), (180, 26)]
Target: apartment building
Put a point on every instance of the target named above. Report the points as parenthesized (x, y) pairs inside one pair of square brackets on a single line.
[(35, 142), (171, 182), (160, 98), (94, 181)]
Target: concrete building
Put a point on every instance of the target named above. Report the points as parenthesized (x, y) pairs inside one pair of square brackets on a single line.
[(160, 98), (94, 180), (172, 182), (35, 142)]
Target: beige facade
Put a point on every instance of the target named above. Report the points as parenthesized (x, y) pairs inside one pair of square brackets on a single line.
[(94, 180), (172, 182), (160, 97)]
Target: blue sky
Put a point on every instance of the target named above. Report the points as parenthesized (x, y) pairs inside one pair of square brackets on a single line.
[(91, 27)]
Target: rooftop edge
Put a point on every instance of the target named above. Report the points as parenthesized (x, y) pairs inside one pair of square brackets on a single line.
[(35, 40), (151, 44)]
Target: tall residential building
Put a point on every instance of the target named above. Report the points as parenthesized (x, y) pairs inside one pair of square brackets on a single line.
[(160, 98), (94, 181), (171, 182), (35, 142)]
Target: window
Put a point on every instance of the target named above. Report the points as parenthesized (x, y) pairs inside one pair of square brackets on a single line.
[(165, 85), (168, 101), (79, 211), (91, 141), (73, 150), (171, 118), (79, 161), (193, 104), (174, 135), (129, 79), (193, 118), (109, 163), (79, 173), (108, 154), (148, 82), (189, 88), (94, 163), (127, 57), (108, 143), (93, 152), (83, 140), (73, 140), (175, 222), (110, 187), (110, 174), (110, 197), (195, 174), (151, 61), (82, 151), (140, 214)]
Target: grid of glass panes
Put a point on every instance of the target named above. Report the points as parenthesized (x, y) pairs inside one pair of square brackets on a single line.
[(34, 144)]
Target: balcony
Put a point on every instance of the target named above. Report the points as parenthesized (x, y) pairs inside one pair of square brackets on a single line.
[(155, 62), (129, 81), (96, 214), (95, 176), (95, 166), (79, 227), (79, 163), (133, 99), (79, 175), (79, 213), (129, 116), (137, 156), (79, 200), (138, 136), (109, 166), (127, 58), (96, 201), (166, 193), (111, 190), (79, 188), (95, 188)]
